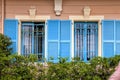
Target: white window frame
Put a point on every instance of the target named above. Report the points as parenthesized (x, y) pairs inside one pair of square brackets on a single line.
[(98, 18), (38, 18)]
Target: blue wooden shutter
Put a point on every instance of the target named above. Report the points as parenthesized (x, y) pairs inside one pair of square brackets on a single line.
[(53, 39), (117, 37), (11, 30), (65, 39), (108, 38)]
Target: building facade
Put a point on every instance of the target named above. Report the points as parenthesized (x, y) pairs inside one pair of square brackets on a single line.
[(62, 28)]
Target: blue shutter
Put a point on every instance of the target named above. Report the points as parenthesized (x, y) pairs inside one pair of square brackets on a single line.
[(118, 48), (65, 39), (53, 26), (117, 23), (53, 39), (11, 30), (108, 30), (108, 38), (117, 37), (108, 49), (58, 35)]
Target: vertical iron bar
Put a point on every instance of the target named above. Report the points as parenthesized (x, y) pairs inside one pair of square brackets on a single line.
[(80, 39), (82, 42), (79, 42), (88, 56), (93, 41)]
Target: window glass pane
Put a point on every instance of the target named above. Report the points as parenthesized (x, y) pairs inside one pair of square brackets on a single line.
[(86, 40), (32, 35), (27, 39)]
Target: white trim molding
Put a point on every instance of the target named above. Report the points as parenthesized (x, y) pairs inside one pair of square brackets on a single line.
[(58, 7), (32, 11), (86, 11), (92, 19), (29, 18), (38, 18)]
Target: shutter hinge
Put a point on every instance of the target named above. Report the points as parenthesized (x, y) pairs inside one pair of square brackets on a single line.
[(19, 22), (46, 23), (72, 23), (100, 23)]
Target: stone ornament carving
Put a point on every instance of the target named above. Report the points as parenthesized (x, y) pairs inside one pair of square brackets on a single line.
[(86, 11), (58, 7), (32, 11)]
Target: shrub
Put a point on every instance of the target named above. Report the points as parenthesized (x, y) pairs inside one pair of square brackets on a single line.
[(5, 51), (114, 61), (15, 67), (20, 68), (5, 43), (97, 69), (101, 67), (58, 71)]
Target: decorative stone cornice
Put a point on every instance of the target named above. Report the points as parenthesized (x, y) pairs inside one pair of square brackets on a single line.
[(86, 11), (58, 7), (32, 11)]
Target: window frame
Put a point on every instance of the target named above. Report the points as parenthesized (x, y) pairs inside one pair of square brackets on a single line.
[(34, 47), (97, 18), (83, 51), (27, 18)]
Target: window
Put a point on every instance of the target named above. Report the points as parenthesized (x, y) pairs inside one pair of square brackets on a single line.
[(33, 39), (86, 40)]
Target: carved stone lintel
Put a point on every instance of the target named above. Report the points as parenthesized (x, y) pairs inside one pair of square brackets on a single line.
[(58, 7), (58, 12), (32, 11), (86, 11)]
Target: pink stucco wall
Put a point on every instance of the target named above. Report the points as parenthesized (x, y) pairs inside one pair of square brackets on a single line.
[(0, 15), (108, 8)]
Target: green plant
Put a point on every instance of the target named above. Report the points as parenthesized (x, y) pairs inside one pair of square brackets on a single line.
[(20, 68), (5, 51), (5, 44), (58, 71), (114, 61), (101, 67)]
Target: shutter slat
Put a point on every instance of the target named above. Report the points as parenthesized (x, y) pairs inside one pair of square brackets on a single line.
[(117, 36), (117, 48), (52, 36), (108, 49), (108, 38), (11, 30), (65, 38), (108, 30), (117, 30), (59, 32), (53, 26)]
